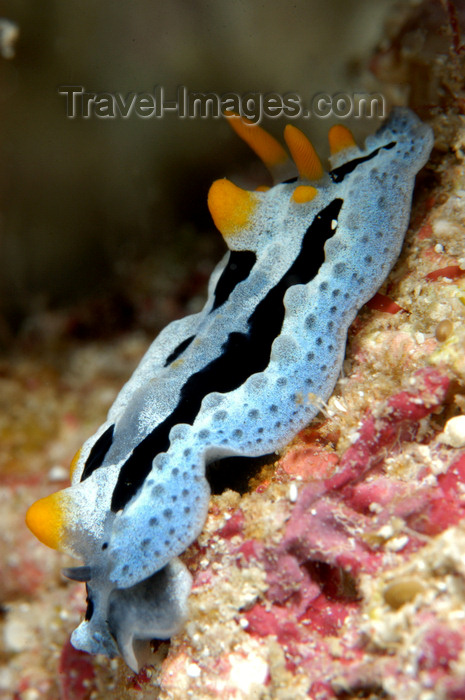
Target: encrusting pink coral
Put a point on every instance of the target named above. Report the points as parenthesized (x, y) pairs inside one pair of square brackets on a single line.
[(342, 531)]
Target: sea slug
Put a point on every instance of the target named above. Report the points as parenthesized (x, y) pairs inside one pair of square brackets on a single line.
[(241, 377)]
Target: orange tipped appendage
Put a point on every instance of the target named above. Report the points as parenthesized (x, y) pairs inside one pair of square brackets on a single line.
[(303, 153), (46, 517), (304, 193), (340, 138), (74, 463), (267, 148), (231, 207)]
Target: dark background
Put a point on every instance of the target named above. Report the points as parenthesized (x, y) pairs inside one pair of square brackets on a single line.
[(81, 201)]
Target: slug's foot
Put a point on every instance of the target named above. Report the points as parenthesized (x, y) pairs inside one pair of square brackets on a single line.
[(129, 618)]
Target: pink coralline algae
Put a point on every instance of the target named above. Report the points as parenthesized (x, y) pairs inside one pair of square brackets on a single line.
[(346, 537), (76, 673)]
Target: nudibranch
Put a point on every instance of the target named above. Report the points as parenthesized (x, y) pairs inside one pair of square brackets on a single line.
[(241, 377)]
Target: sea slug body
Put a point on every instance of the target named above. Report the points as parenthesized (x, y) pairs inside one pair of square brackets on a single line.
[(238, 378)]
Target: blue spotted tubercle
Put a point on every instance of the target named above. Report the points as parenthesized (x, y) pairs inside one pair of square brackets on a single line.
[(241, 377)]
